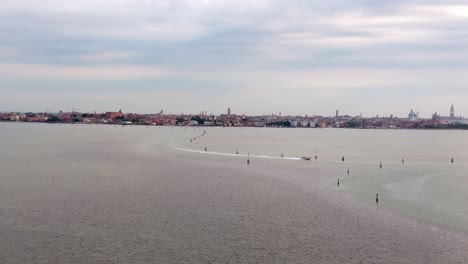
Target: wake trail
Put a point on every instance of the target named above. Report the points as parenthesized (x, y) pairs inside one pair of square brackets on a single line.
[(231, 154)]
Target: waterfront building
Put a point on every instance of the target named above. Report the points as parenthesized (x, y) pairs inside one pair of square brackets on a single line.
[(15, 118), (259, 122), (193, 123), (304, 123), (452, 119), (113, 115), (412, 116)]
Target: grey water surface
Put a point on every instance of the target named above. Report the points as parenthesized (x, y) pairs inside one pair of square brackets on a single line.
[(135, 194)]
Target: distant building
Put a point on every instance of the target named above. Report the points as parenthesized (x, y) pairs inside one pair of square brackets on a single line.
[(452, 119), (113, 115), (193, 123), (412, 116), (259, 123), (15, 118)]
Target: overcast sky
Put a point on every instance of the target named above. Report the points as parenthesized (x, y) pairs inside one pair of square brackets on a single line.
[(257, 56)]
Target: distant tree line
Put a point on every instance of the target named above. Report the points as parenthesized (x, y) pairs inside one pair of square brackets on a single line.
[(53, 119), (448, 126), (280, 124), (353, 124)]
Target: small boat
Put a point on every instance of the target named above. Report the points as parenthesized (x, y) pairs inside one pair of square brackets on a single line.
[(305, 158)]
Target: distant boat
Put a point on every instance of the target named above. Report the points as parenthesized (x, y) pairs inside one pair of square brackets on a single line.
[(306, 158)]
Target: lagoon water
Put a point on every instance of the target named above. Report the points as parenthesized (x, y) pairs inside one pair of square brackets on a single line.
[(113, 194)]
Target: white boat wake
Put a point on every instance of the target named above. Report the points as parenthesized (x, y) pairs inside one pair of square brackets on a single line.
[(232, 154)]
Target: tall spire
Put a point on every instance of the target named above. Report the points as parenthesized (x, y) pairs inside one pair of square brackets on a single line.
[(452, 111)]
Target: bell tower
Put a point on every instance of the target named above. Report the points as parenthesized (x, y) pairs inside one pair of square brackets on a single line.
[(452, 112)]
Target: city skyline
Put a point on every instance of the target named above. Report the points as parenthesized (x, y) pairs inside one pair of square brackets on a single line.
[(295, 57), (412, 114)]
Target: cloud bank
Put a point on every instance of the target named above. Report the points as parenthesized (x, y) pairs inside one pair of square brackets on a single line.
[(298, 57)]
